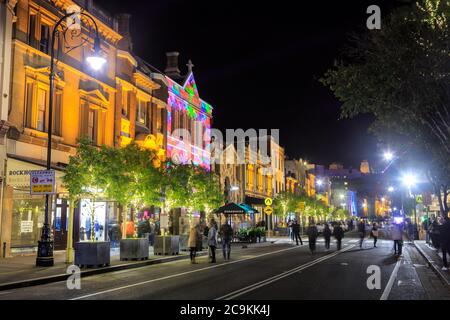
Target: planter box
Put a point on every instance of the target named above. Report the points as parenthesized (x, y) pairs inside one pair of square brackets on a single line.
[(171, 245), (134, 249), (95, 254)]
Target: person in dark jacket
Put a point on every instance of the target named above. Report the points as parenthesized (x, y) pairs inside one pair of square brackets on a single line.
[(296, 232), (226, 233), (312, 237), (362, 232), (374, 234), (435, 234), (338, 233), (444, 232), (327, 235)]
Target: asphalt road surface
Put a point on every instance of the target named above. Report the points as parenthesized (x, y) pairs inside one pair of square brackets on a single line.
[(268, 271)]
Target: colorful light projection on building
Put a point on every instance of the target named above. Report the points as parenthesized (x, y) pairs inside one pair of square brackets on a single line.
[(186, 99)]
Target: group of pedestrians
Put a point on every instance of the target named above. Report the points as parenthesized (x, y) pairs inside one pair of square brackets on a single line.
[(195, 240), (438, 233), (313, 234)]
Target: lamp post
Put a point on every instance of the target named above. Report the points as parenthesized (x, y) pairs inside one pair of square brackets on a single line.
[(409, 180), (45, 245)]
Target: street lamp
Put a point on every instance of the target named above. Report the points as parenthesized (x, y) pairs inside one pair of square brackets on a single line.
[(320, 182), (388, 155), (45, 245), (391, 189)]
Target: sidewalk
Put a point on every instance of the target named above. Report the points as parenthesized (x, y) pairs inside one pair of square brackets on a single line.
[(20, 271), (434, 259)]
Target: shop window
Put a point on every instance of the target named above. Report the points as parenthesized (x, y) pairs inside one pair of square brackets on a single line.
[(93, 220), (27, 219)]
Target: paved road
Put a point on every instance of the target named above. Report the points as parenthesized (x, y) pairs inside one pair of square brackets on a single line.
[(269, 271)]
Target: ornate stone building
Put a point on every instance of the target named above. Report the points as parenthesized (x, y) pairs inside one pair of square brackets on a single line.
[(125, 100)]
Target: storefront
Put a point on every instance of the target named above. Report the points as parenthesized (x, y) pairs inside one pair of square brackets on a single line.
[(23, 214)]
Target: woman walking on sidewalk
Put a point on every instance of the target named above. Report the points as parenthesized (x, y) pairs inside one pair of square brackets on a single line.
[(212, 242), (445, 242), (192, 242)]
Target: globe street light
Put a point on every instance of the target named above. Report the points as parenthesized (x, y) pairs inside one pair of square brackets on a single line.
[(391, 189), (45, 245), (388, 155)]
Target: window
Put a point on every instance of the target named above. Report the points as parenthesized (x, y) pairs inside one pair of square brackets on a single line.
[(125, 103), (56, 117), (141, 114), (29, 105), (91, 124), (42, 99), (32, 30), (44, 43)]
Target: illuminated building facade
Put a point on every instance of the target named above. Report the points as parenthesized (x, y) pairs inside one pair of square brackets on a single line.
[(112, 106), (188, 118)]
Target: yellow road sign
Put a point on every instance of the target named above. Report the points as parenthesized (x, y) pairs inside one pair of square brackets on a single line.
[(268, 210), (268, 201)]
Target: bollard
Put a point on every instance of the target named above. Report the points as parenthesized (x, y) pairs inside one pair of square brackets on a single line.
[(4, 249)]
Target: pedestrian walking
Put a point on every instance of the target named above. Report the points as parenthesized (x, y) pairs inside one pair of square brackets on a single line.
[(435, 234), (192, 242), (397, 237), (296, 232), (327, 236), (362, 232), (290, 230), (338, 233), (374, 234), (445, 242), (312, 237), (212, 242), (226, 233)]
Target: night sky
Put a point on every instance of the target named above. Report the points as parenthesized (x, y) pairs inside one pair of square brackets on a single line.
[(258, 64)]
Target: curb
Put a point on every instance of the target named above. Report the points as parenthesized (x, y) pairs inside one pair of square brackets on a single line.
[(431, 263), (88, 273)]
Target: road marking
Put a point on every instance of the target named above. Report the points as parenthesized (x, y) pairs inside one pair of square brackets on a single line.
[(388, 288), (285, 274), (180, 274), (353, 241)]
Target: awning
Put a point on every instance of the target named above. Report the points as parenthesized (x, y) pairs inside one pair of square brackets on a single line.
[(249, 208), (233, 208)]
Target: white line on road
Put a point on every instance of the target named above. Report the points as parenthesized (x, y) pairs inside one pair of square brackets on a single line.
[(388, 288), (180, 274), (242, 291)]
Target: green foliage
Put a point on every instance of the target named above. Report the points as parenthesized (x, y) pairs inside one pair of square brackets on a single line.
[(400, 75), (128, 176)]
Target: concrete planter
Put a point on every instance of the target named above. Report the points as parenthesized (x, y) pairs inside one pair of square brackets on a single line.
[(92, 254), (170, 246), (134, 249), (184, 242)]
